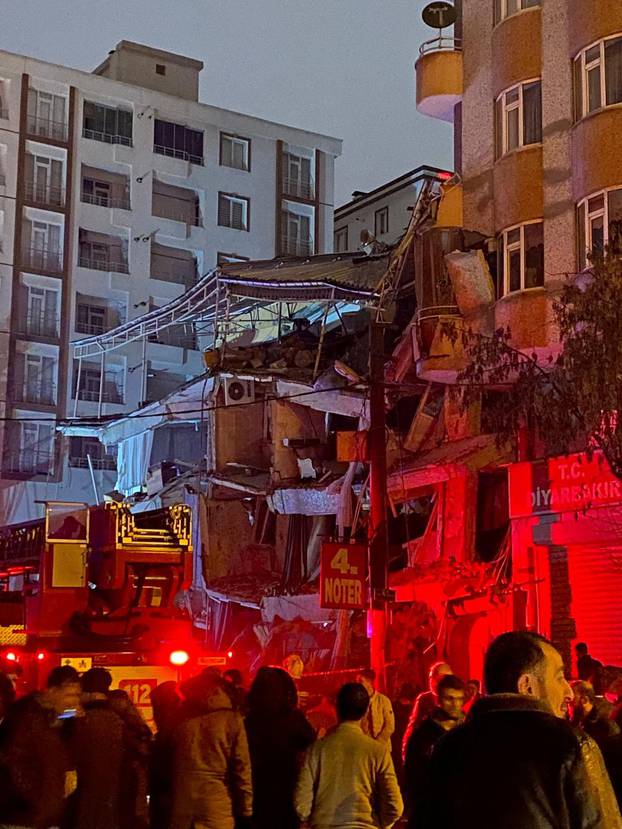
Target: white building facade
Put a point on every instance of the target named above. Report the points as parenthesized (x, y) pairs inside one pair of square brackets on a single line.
[(118, 191), (383, 213)]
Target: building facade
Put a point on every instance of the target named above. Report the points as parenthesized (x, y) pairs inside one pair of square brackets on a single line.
[(383, 213), (118, 191), (533, 89)]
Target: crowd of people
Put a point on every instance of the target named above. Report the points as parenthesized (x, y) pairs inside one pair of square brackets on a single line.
[(527, 754)]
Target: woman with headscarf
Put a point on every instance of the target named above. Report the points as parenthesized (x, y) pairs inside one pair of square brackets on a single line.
[(278, 734)]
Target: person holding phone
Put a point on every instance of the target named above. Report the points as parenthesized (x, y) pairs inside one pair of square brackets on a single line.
[(36, 773)]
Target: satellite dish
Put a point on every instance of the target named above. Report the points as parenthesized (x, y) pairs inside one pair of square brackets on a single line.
[(439, 15)]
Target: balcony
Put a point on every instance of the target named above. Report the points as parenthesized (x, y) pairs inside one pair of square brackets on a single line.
[(98, 263), (298, 187), (105, 462), (42, 394), (293, 246), (439, 77), (40, 324), (108, 395), (120, 203), (183, 155), (106, 137), (42, 195), (92, 329), (29, 462), (46, 128), (50, 261)]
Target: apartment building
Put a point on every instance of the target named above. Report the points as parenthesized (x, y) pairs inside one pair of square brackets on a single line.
[(118, 191), (383, 213), (533, 89)]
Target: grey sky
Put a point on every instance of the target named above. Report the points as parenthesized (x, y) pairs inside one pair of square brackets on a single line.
[(341, 67)]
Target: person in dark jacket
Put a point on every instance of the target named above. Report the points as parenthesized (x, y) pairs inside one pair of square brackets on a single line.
[(278, 734), (589, 669), (134, 771), (7, 695), (98, 745), (447, 715), (166, 704), (591, 714), (516, 763), (36, 773), (211, 768)]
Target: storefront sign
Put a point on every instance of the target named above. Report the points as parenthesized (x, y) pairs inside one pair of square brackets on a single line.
[(342, 576), (562, 484)]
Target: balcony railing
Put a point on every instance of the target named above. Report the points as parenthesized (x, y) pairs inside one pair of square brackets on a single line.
[(44, 395), (107, 396), (47, 195), (97, 264), (43, 260), (91, 328), (441, 44), (40, 324), (29, 462), (303, 188), (106, 137), (120, 202), (46, 128), (98, 463), (174, 153), (296, 247)]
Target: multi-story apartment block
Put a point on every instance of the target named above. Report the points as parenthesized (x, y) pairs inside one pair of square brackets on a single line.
[(384, 212), (118, 191)]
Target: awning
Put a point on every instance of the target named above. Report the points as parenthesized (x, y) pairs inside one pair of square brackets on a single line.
[(449, 460)]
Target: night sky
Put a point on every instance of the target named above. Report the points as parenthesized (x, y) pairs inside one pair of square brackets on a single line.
[(341, 67)]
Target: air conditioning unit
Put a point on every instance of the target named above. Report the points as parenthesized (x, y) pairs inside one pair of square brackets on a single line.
[(239, 391)]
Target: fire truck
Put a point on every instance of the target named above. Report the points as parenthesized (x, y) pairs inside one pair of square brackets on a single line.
[(99, 586)]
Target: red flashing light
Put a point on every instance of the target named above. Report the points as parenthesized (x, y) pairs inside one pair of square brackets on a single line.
[(230, 654), (41, 655), (179, 658), (444, 176), (10, 656)]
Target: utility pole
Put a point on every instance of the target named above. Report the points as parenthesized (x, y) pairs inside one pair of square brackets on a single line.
[(378, 535)]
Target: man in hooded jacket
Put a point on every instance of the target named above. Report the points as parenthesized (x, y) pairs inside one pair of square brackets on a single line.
[(212, 786)]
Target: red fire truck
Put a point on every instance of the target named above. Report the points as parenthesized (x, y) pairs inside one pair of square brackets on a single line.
[(99, 586)]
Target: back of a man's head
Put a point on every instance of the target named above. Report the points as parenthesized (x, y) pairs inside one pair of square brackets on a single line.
[(581, 649), (352, 702), (509, 657), (62, 675)]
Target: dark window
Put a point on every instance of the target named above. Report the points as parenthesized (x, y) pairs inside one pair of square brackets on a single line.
[(521, 258), (493, 514), (341, 240), (160, 69), (107, 124), (518, 117), (381, 222), (233, 211), (598, 77), (235, 151), (178, 141), (534, 255)]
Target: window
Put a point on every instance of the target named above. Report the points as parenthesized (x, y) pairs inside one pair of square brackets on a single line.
[(341, 240), (520, 254), (81, 448), (96, 192), (36, 450), (39, 379), (160, 69), (599, 223), (90, 319), (506, 8), (297, 230), (41, 312), (92, 385), (42, 246), (297, 175), (381, 222), (107, 124), (178, 141), (46, 115), (598, 77), (4, 107), (518, 117), (235, 152), (229, 258), (44, 180), (233, 211)]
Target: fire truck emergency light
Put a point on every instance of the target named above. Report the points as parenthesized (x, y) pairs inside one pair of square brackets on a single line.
[(230, 654), (10, 656), (179, 658), (41, 655)]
